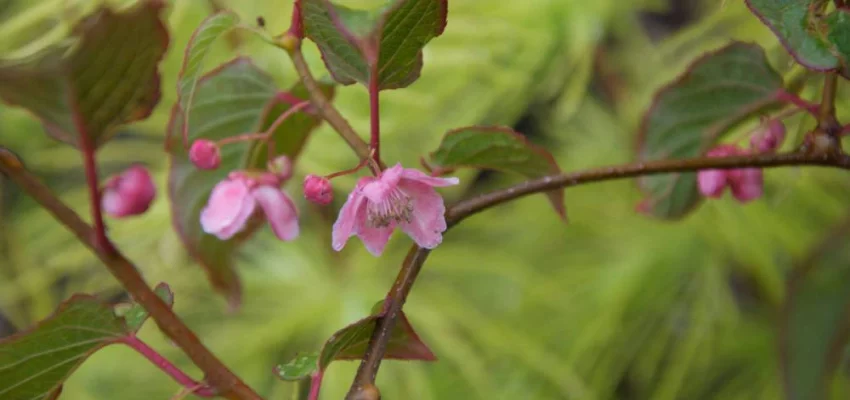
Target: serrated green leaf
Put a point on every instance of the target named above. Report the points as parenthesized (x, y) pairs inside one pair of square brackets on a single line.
[(839, 34), (500, 149), (234, 99), (689, 115), (34, 363), (135, 315), (300, 367), (404, 27), (795, 26), (816, 321), (109, 77)]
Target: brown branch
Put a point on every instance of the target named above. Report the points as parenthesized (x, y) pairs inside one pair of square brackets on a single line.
[(826, 113), (416, 258), (218, 375), (292, 45)]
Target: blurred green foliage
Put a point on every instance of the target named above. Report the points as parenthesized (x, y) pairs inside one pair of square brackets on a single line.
[(515, 304)]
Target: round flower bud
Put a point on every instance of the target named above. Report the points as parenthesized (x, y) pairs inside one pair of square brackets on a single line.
[(318, 190), (205, 154)]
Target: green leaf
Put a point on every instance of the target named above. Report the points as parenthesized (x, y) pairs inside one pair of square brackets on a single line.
[(816, 320), (688, 116), (234, 99), (795, 26), (299, 368), (109, 76), (34, 364), (839, 34), (135, 315), (403, 26), (500, 149), (350, 343)]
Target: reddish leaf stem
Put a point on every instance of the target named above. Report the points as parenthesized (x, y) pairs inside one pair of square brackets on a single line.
[(792, 98), (267, 134), (316, 385), (397, 294), (217, 374), (374, 102), (196, 388)]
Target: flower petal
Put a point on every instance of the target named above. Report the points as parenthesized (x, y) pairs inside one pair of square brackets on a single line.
[(747, 184), (712, 182), (375, 239), (228, 209), (419, 176), (428, 220), (352, 214), (279, 210)]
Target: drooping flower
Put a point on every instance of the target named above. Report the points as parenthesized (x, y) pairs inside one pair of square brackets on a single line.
[(205, 154), (129, 193), (746, 184), (318, 190), (234, 201), (398, 197)]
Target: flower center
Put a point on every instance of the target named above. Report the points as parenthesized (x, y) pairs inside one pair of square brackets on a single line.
[(396, 207)]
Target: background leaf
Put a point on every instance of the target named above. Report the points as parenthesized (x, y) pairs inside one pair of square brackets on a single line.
[(500, 149), (300, 367), (689, 115), (815, 326), (34, 363), (234, 99), (404, 26), (110, 76)]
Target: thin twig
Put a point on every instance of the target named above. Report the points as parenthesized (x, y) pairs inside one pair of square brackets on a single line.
[(416, 257), (217, 374), (196, 388)]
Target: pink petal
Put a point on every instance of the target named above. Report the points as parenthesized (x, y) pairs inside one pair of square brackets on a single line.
[(375, 239), (429, 220), (228, 209), (351, 215), (279, 210), (419, 176), (113, 204), (747, 184), (712, 182)]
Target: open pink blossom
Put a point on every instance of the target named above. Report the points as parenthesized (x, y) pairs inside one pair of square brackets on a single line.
[(234, 201), (398, 197), (747, 184), (130, 193)]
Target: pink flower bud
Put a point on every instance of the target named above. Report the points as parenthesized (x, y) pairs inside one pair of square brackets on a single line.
[(205, 154), (769, 137), (127, 194), (282, 167), (711, 182), (747, 184), (318, 190)]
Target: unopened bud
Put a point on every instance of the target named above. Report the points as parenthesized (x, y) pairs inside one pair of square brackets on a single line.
[(769, 137), (130, 193), (282, 167), (205, 154), (318, 190)]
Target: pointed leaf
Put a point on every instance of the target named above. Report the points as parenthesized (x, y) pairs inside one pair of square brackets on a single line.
[(500, 149), (34, 363), (816, 320), (234, 99), (403, 26), (135, 315), (301, 367), (350, 343), (109, 77), (795, 26), (688, 116)]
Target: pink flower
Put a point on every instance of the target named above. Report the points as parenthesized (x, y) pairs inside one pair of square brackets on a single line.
[(130, 193), (747, 184), (234, 201), (398, 197), (318, 190), (205, 154), (769, 137)]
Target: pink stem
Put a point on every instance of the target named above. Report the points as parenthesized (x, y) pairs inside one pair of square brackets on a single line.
[(374, 107), (792, 98), (198, 389), (316, 385), (296, 28), (268, 132)]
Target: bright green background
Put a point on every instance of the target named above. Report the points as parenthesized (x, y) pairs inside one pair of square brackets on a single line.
[(514, 303)]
